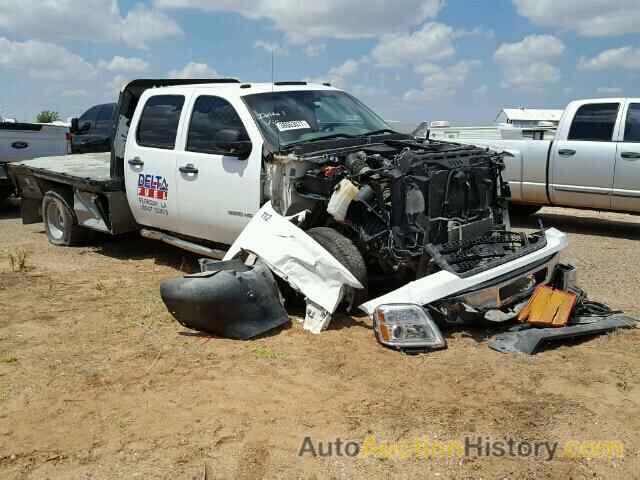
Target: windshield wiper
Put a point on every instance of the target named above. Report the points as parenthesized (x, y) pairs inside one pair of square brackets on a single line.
[(319, 139), (377, 132)]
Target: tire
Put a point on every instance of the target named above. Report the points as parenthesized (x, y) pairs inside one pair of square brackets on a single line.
[(345, 251), (60, 222), (521, 210)]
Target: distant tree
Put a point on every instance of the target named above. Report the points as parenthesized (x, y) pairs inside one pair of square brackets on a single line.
[(47, 116)]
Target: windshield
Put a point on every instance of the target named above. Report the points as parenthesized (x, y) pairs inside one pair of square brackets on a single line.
[(286, 118)]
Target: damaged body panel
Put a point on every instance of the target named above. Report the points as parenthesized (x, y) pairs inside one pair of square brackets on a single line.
[(295, 257), (525, 339), (228, 299)]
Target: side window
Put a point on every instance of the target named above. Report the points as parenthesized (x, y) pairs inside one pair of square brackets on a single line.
[(159, 121), (88, 118), (213, 120), (632, 127), (594, 122), (104, 121)]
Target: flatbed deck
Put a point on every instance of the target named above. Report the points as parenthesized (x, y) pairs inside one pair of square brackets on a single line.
[(90, 171)]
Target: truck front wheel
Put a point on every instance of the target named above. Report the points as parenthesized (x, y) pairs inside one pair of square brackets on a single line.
[(348, 255), (60, 222)]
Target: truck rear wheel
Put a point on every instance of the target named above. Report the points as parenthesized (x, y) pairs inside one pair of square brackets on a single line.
[(60, 222), (521, 210), (345, 251)]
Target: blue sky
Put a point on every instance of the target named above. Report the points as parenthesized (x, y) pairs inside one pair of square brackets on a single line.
[(410, 60)]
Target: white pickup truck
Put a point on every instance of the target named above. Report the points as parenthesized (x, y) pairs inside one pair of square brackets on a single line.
[(593, 162), (194, 162), (21, 141)]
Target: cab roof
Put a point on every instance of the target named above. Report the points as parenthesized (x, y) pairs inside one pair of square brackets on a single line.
[(239, 89)]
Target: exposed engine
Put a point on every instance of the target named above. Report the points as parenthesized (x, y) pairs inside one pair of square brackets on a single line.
[(412, 206)]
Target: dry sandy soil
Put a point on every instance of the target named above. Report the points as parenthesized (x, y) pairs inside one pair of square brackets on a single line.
[(98, 381)]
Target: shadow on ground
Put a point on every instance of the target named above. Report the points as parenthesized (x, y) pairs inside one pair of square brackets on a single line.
[(584, 225), (9, 208), (132, 246)]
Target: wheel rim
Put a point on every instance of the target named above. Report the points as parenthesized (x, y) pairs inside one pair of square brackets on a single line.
[(55, 220)]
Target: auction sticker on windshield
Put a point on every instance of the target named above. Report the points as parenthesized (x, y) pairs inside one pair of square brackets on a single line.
[(292, 125)]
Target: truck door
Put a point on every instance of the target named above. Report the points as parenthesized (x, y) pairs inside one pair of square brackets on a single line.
[(218, 193), (582, 165), (626, 180), (150, 161)]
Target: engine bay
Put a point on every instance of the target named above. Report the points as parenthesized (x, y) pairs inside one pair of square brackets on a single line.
[(411, 207)]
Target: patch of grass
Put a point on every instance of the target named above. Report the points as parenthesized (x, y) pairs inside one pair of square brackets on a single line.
[(8, 360), (263, 352), (101, 287), (18, 260)]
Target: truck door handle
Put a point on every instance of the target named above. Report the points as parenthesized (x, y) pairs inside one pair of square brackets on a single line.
[(189, 168), (566, 152), (630, 155), (135, 162)]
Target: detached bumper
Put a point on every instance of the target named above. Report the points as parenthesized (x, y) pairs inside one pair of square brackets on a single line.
[(445, 284), (228, 299)]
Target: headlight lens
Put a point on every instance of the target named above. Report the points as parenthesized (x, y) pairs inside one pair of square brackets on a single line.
[(406, 326)]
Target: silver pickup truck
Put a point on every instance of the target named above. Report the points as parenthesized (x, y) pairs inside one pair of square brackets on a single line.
[(593, 162), (22, 141)]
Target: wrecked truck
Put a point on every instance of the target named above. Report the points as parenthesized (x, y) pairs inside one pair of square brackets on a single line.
[(305, 182)]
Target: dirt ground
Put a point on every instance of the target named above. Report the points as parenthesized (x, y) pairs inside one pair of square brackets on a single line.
[(97, 381)]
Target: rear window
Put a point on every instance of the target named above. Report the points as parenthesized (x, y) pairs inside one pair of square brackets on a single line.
[(594, 122), (159, 121)]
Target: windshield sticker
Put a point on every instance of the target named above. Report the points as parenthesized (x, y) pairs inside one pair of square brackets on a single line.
[(268, 118), (292, 125)]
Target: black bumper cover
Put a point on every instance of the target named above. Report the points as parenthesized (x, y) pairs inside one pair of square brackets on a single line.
[(228, 300), (525, 339)]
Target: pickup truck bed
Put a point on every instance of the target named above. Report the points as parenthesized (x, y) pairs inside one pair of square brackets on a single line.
[(86, 184), (91, 171)]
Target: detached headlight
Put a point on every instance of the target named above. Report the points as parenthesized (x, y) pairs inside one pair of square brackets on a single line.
[(406, 327)]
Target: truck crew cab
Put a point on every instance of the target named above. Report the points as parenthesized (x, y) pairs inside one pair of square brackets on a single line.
[(593, 162), (93, 130), (192, 161)]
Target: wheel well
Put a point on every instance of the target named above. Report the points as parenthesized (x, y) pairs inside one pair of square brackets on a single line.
[(65, 191)]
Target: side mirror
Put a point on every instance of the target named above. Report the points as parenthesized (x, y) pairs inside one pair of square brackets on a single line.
[(74, 125), (86, 126), (241, 149), (234, 142)]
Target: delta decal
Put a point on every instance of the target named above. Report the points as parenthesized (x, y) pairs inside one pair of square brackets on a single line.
[(153, 187)]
